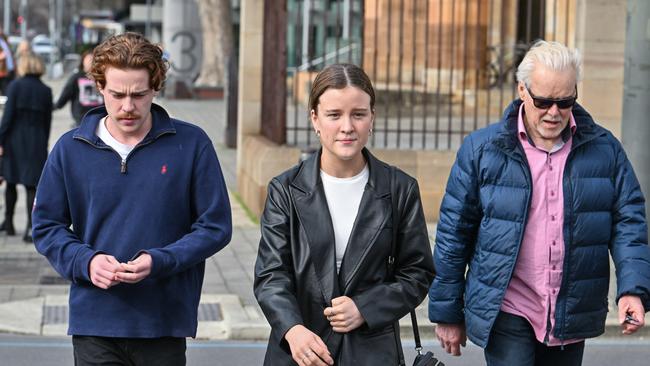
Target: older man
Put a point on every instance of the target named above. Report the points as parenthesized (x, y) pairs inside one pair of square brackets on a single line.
[(129, 206), (533, 204)]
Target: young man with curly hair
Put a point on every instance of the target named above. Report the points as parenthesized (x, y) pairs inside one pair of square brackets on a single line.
[(128, 208)]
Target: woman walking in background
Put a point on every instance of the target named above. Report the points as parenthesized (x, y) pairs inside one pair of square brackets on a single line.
[(24, 133), (7, 64), (323, 276), (80, 91)]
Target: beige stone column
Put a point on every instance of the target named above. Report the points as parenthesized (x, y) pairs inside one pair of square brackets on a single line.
[(600, 36), (250, 73), (182, 39)]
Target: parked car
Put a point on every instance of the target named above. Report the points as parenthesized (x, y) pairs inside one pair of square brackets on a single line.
[(43, 46)]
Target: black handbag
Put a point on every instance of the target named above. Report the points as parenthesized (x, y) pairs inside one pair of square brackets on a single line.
[(422, 359)]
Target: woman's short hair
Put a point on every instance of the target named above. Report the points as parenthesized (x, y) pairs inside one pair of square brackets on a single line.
[(30, 64), (339, 76), (129, 50), (553, 55)]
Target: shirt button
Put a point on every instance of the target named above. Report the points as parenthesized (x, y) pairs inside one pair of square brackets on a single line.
[(553, 243), (552, 217), (552, 193), (554, 268), (553, 291), (550, 167)]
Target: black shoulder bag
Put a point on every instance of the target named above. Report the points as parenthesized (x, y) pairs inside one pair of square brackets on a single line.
[(426, 359)]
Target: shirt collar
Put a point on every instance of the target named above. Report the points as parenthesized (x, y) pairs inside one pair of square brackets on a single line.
[(569, 131)]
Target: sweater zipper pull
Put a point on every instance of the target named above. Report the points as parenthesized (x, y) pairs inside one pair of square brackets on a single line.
[(123, 167)]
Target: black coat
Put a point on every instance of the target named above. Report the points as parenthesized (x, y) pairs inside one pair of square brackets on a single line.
[(295, 272), (25, 130)]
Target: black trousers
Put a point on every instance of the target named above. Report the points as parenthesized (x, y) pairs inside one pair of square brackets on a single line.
[(513, 343), (106, 351)]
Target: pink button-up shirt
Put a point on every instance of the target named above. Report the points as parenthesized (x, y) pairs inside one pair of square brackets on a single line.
[(536, 280)]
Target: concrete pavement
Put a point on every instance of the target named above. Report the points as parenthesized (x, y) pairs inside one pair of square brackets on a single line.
[(33, 298)]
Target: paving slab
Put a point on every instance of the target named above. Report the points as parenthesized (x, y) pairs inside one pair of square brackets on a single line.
[(22, 317)]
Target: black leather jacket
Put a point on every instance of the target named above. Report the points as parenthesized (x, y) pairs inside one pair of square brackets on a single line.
[(295, 272)]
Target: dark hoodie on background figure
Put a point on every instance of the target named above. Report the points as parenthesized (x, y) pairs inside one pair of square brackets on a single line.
[(82, 94)]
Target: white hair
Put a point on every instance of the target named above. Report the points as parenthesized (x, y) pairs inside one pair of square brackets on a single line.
[(553, 55)]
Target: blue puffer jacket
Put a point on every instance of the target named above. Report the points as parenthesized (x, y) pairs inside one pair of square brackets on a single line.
[(484, 213)]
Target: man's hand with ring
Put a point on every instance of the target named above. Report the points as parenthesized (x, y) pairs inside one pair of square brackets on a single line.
[(451, 337)]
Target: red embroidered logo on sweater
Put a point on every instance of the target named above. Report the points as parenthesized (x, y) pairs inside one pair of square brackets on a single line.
[(163, 170)]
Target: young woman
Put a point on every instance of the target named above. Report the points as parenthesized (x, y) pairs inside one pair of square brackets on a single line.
[(24, 133), (80, 90), (322, 276)]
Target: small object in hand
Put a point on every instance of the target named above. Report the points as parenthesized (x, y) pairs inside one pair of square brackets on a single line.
[(630, 320)]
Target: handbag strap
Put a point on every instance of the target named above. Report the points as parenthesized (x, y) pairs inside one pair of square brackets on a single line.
[(393, 254), (391, 257)]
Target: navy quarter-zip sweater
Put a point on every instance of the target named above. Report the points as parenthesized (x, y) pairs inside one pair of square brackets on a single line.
[(168, 199)]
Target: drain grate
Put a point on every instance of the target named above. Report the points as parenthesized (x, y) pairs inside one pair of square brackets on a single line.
[(58, 314), (210, 312), (55, 279), (48, 276)]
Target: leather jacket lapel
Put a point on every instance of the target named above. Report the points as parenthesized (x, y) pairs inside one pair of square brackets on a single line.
[(372, 216), (313, 213)]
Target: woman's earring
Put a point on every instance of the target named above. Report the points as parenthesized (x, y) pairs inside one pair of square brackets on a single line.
[(317, 133), (370, 132)]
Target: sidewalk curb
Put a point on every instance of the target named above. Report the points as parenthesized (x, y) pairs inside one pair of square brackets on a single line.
[(428, 330), (238, 322)]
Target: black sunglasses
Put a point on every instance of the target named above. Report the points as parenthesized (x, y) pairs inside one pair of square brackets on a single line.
[(546, 103)]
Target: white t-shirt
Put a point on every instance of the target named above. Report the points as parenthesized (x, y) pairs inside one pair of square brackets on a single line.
[(102, 133), (343, 199)]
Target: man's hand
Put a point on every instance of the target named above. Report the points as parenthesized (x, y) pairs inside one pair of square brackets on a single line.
[(343, 315), (451, 337), (136, 270), (102, 271), (630, 305), (307, 348)]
